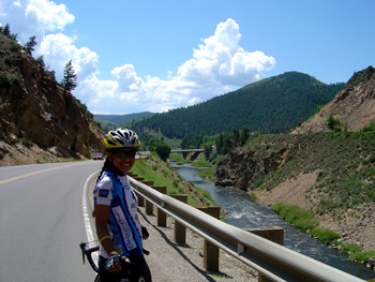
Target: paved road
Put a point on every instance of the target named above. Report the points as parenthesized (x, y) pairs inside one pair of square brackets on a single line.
[(42, 222)]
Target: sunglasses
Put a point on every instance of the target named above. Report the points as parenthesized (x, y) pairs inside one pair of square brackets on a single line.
[(122, 154)]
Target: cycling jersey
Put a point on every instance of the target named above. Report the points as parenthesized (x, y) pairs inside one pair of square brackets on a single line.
[(123, 225)]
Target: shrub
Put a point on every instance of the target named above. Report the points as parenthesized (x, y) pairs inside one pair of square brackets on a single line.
[(324, 235), (15, 80), (300, 218), (363, 256), (26, 142), (8, 60), (351, 248), (333, 123), (4, 80), (15, 47)]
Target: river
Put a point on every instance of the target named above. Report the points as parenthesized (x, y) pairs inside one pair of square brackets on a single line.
[(244, 213)]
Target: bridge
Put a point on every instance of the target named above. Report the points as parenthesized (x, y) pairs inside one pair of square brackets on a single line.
[(186, 150)]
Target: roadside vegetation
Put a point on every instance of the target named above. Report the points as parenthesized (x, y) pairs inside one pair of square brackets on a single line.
[(162, 174), (307, 222)]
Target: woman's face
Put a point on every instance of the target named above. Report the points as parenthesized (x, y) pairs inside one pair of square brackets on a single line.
[(123, 159)]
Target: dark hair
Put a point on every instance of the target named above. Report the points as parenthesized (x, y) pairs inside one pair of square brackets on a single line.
[(106, 164)]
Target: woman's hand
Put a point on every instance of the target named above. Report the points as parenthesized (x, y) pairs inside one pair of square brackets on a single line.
[(113, 263)]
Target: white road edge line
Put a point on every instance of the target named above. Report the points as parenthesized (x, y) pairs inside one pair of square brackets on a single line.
[(86, 215)]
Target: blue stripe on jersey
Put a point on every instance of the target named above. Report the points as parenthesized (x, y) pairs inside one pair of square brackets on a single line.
[(119, 209)]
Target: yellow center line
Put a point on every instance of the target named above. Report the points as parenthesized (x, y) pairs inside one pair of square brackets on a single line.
[(34, 173)]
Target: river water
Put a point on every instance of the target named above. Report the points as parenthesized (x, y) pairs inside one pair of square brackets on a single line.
[(244, 213)]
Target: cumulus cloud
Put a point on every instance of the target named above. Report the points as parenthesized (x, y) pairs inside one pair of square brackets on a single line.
[(222, 61), (58, 49), (34, 17), (218, 64)]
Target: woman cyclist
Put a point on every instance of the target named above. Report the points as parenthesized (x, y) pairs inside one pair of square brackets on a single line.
[(115, 203)]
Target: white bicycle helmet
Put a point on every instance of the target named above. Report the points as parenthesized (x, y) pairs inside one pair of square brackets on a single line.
[(121, 138)]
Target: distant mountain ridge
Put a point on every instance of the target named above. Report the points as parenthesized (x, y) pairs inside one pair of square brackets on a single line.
[(122, 118), (273, 105), (113, 121)]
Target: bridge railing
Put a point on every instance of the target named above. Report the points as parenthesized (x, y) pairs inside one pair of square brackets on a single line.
[(186, 150), (273, 261)]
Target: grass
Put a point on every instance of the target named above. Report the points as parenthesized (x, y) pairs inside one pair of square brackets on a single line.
[(362, 256), (207, 173), (295, 215), (178, 158), (324, 235), (307, 222), (162, 174)]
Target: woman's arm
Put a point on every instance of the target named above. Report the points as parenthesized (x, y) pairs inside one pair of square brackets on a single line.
[(101, 222)]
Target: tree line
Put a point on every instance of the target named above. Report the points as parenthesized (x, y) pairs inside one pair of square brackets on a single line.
[(274, 105)]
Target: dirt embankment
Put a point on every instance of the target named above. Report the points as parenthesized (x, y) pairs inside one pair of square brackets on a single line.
[(357, 225)]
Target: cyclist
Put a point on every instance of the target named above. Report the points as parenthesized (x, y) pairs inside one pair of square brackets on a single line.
[(115, 203)]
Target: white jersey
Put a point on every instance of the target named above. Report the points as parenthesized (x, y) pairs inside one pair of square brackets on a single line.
[(123, 224)]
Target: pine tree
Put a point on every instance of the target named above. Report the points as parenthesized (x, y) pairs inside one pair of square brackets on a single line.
[(69, 82), (6, 30), (29, 46)]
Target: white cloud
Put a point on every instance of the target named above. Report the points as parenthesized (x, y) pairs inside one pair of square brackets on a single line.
[(49, 16), (217, 65), (58, 49), (221, 60), (34, 17)]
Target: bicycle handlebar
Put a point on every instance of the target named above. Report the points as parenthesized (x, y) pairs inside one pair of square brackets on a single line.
[(87, 252)]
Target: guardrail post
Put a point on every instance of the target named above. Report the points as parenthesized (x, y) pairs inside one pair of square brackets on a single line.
[(141, 200), (149, 206), (179, 229), (211, 252), (161, 217), (272, 233)]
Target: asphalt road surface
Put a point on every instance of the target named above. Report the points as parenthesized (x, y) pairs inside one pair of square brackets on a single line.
[(41, 222)]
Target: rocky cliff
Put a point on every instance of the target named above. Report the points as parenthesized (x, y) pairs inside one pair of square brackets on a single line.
[(37, 114), (353, 107)]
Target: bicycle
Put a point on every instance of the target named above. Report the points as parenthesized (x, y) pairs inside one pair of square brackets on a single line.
[(126, 266)]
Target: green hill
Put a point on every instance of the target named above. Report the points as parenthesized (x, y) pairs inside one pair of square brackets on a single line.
[(272, 105)]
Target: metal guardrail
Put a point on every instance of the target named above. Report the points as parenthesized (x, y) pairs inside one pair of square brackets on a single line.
[(273, 261)]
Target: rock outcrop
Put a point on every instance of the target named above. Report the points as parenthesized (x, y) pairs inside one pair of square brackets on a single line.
[(353, 107), (239, 168), (36, 111)]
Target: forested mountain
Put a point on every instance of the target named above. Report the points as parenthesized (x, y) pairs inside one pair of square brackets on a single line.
[(272, 105), (112, 121)]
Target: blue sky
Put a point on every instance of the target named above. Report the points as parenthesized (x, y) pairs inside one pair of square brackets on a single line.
[(135, 56)]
